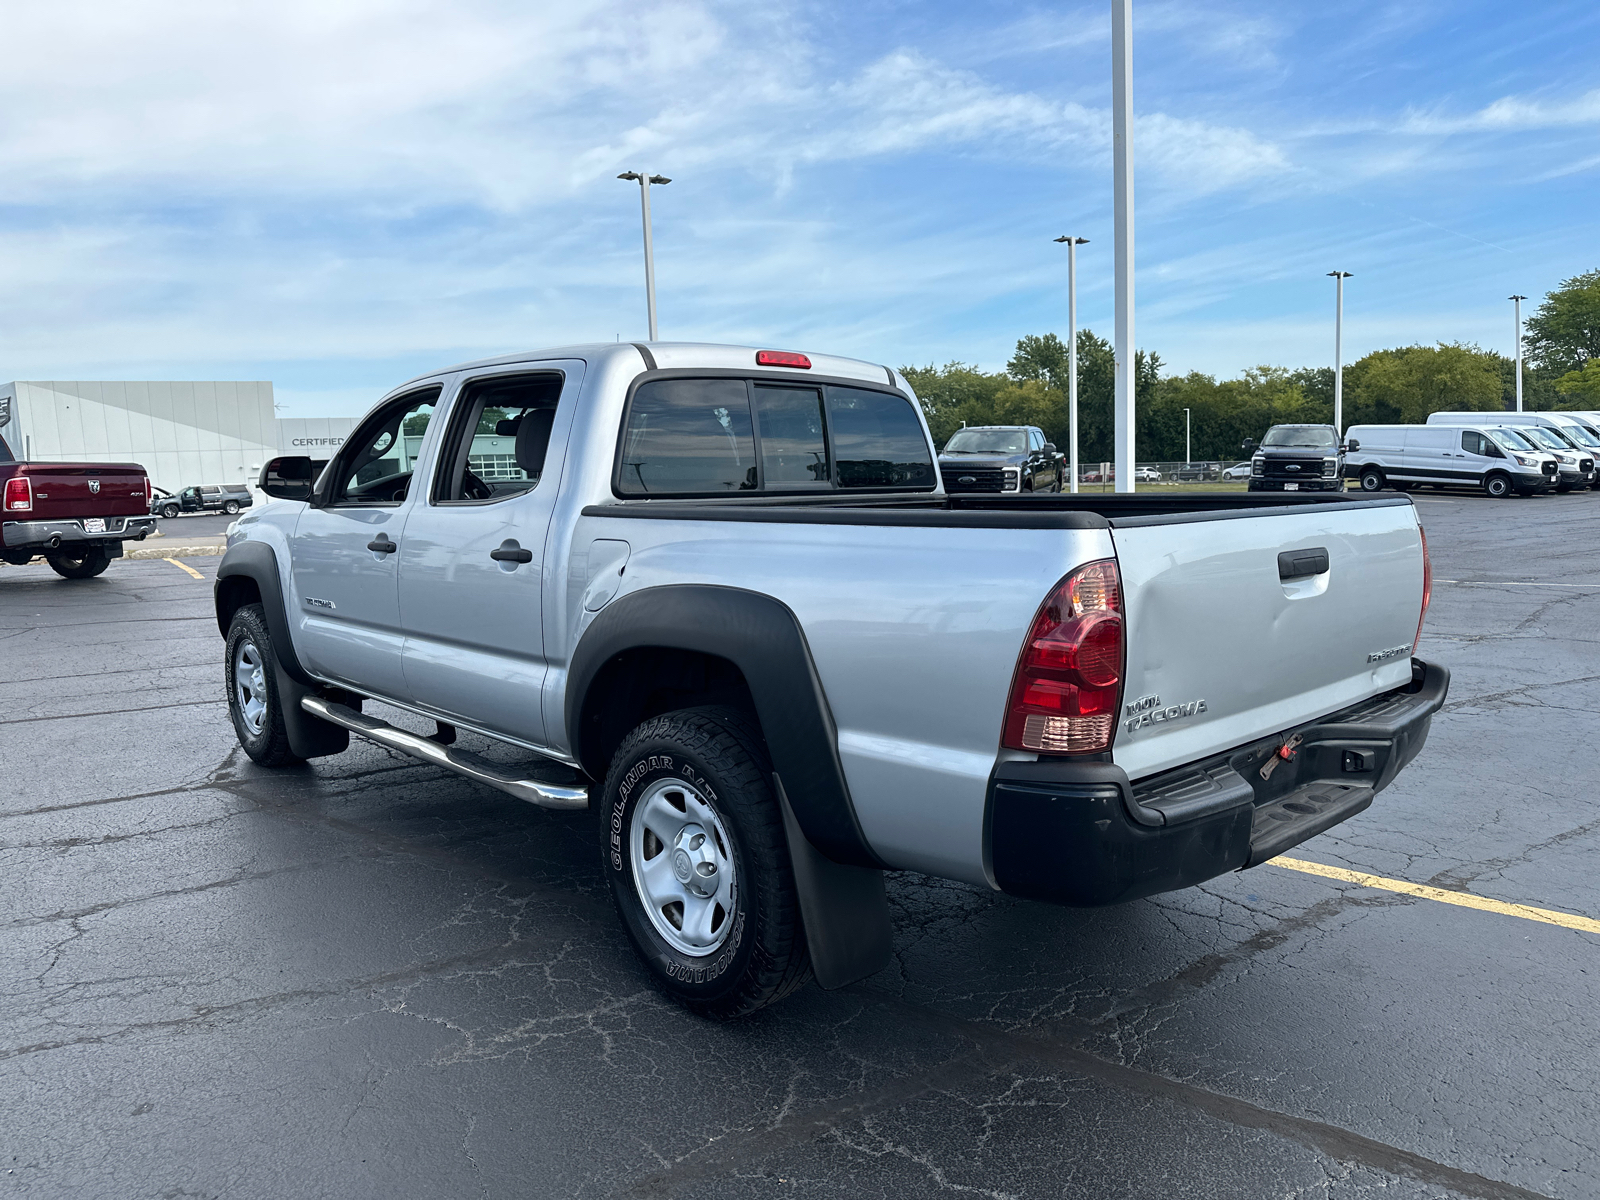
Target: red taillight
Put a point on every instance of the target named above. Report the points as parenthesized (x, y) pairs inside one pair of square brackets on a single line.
[(1427, 589), (19, 494), (149, 494), (781, 358), (1064, 697)]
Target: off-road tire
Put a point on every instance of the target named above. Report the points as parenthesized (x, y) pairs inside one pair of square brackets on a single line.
[(1497, 484), (720, 752), (81, 564), (269, 746), (231, 507), (1372, 479)]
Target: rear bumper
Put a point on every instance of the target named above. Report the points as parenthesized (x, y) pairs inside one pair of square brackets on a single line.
[(45, 535), (1080, 833)]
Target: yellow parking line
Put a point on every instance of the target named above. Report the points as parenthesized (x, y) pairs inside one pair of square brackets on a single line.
[(1464, 899), (184, 567)]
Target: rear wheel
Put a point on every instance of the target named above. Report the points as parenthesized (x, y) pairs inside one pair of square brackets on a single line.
[(79, 564), (231, 507), (253, 700), (1371, 479), (695, 852), (1497, 485)]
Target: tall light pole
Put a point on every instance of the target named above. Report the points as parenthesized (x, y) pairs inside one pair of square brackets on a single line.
[(1122, 195), (644, 182), (1072, 351), (1188, 454), (1519, 300), (1338, 349)]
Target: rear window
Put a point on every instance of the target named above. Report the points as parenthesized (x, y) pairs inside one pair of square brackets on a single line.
[(712, 437)]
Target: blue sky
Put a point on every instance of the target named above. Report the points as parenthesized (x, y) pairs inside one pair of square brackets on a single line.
[(336, 196)]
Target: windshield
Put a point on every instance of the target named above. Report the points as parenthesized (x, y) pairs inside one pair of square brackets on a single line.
[(1309, 437), (1543, 436), (1512, 440), (987, 441), (1581, 435)]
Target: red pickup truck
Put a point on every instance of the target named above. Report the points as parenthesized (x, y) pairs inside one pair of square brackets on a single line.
[(75, 514)]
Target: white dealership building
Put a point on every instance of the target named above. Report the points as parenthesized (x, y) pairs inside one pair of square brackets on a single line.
[(183, 432)]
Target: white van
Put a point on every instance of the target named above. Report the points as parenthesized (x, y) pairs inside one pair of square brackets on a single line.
[(1578, 434), (1497, 459)]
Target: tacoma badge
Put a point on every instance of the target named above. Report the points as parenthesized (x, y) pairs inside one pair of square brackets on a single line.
[(315, 603), (1147, 710)]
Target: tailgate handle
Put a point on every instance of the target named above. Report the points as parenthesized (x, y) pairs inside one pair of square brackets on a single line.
[(1294, 563)]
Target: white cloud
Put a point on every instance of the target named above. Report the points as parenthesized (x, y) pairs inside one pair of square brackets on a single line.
[(1509, 114)]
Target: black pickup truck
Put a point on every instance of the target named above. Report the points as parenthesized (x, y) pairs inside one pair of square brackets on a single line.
[(1297, 458)]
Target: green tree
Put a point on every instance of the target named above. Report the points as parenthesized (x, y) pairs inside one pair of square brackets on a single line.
[(954, 393), (1583, 385), (1564, 333), (1402, 386)]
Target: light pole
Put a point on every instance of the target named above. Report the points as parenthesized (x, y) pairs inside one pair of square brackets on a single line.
[(1122, 195), (644, 182), (1072, 351), (1519, 300), (1338, 349), (1188, 454)]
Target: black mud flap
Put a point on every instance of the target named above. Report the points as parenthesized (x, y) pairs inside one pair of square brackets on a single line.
[(845, 909)]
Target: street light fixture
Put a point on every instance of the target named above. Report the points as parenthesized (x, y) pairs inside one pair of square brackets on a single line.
[(1338, 349), (1519, 300), (644, 181), (1072, 351)]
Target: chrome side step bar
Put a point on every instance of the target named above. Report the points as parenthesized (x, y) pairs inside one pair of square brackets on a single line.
[(545, 795)]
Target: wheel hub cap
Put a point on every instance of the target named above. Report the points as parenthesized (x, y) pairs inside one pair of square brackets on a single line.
[(683, 867)]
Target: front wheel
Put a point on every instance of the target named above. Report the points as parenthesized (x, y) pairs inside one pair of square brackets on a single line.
[(1498, 486), (169, 511), (1371, 480), (694, 849), (79, 564), (253, 700), (231, 507)]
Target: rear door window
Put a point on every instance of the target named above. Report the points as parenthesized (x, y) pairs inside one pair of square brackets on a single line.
[(688, 437)]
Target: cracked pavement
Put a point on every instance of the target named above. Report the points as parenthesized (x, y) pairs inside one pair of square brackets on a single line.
[(368, 978)]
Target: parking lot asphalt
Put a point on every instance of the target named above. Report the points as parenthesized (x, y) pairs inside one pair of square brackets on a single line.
[(368, 978)]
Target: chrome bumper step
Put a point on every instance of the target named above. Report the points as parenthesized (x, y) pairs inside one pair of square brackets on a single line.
[(462, 762)]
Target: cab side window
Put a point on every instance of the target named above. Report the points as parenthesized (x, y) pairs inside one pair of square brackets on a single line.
[(375, 465), (688, 437), (498, 440), (1472, 442)]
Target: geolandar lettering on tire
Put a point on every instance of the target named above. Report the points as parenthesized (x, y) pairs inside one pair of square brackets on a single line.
[(656, 762)]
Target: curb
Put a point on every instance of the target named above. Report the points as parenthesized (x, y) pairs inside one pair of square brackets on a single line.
[(177, 552)]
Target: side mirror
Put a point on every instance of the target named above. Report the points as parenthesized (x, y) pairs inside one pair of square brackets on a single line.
[(1049, 445), (288, 478), (1247, 445), (1352, 446)]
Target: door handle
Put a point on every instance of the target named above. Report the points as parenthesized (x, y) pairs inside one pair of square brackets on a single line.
[(383, 546), (1292, 564), (514, 556)]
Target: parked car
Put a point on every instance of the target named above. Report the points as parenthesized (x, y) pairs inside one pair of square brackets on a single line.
[(224, 497), (707, 606), (1571, 439), (1297, 458), (1147, 475), (1497, 459), (1000, 458), (77, 515), (1236, 472), (1199, 472)]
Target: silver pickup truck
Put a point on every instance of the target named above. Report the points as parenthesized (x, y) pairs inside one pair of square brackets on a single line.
[(719, 596)]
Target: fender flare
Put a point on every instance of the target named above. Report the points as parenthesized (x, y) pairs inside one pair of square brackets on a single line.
[(256, 561), (762, 637)]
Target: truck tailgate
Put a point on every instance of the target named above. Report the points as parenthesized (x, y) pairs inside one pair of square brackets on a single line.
[(1222, 650), (69, 491)]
